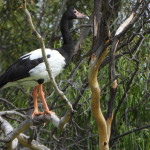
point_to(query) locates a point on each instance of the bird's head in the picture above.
(72, 13)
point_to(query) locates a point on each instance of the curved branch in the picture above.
(100, 39)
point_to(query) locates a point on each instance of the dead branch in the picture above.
(12, 112)
(9, 103)
(130, 132)
(127, 88)
(130, 20)
(34, 145)
(112, 75)
(7, 129)
(12, 136)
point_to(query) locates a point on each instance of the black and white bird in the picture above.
(29, 70)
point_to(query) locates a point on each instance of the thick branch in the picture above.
(95, 104)
(112, 78)
(23, 139)
(7, 129)
(34, 145)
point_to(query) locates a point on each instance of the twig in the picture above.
(129, 132)
(127, 88)
(6, 101)
(12, 112)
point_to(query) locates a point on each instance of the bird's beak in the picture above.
(79, 15)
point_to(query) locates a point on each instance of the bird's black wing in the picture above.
(20, 69)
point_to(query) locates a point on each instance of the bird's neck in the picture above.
(68, 47)
(64, 26)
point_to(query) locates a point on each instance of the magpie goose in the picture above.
(29, 70)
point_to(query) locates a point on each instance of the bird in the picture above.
(30, 70)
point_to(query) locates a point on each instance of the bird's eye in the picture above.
(74, 11)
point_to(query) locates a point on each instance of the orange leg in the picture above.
(46, 109)
(36, 111)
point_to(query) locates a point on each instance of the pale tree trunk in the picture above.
(101, 42)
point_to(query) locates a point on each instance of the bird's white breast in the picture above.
(56, 62)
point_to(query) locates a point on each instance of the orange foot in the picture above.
(36, 113)
(46, 109)
(48, 112)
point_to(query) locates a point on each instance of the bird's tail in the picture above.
(3, 80)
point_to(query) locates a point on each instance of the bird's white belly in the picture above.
(57, 64)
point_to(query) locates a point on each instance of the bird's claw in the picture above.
(37, 114)
(40, 113)
(48, 112)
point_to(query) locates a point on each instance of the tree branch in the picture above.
(34, 145)
(127, 23)
(129, 132)
(12, 136)
(7, 129)
(12, 112)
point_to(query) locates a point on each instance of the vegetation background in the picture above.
(130, 128)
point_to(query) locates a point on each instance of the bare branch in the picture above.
(6, 101)
(129, 132)
(127, 88)
(23, 139)
(12, 112)
(7, 129)
(127, 23)
(34, 145)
